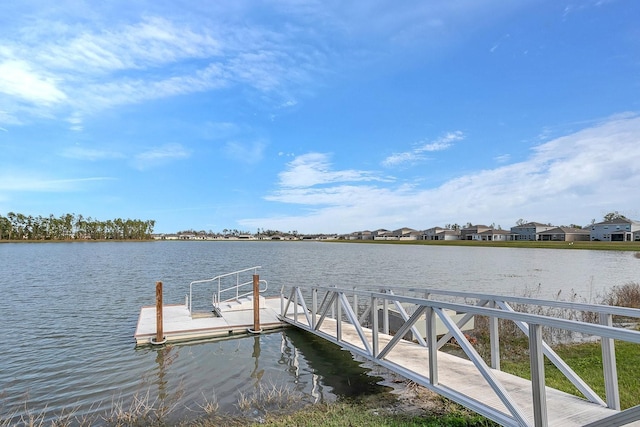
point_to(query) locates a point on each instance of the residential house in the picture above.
(406, 233)
(468, 232)
(361, 235)
(431, 233)
(447, 234)
(530, 230)
(615, 230)
(492, 235)
(382, 234)
(565, 234)
(439, 233)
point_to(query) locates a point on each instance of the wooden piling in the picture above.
(256, 305)
(159, 321)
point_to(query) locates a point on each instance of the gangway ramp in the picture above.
(351, 318)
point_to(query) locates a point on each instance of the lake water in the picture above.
(68, 312)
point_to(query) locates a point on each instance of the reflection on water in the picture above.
(287, 360)
(335, 366)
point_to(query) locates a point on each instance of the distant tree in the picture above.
(613, 216)
(521, 222)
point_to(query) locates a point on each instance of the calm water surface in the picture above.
(68, 312)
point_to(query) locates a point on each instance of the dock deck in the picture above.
(179, 325)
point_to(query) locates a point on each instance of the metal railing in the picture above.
(221, 289)
(357, 307)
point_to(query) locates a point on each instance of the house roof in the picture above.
(492, 231)
(532, 224)
(565, 230)
(448, 231)
(618, 221)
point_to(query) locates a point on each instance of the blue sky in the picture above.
(321, 116)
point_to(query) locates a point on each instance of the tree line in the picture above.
(17, 226)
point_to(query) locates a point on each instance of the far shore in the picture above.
(591, 245)
(585, 245)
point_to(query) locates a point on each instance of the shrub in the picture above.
(627, 295)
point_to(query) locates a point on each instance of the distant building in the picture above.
(616, 230)
(492, 235)
(431, 233)
(468, 232)
(565, 234)
(530, 230)
(439, 233)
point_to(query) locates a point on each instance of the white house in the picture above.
(431, 233)
(492, 235)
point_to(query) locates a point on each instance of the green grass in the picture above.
(601, 246)
(586, 361)
(359, 414)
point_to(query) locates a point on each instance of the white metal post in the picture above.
(536, 359)
(314, 307)
(432, 345)
(494, 339)
(338, 319)
(609, 366)
(374, 326)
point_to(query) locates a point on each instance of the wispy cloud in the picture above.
(91, 154)
(418, 152)
(250, 153)
(14, 181)
(159, 156)
(88, 69)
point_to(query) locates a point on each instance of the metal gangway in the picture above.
(228, 288)
(359, 320)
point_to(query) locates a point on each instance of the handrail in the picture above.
(216, 301)
(581, 306)
(336, 305)
(216, 295)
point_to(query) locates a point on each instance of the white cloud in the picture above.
(417, 153)
(19, 79)
(159, 156)
(315, 169)
(570, 179)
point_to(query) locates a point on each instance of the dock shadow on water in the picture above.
(247, 377)
(251, 376)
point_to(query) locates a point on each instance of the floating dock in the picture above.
(236, 318)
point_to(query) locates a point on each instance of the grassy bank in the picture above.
(600, 246)
(586, 361)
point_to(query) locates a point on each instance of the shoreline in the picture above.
(587, 245)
